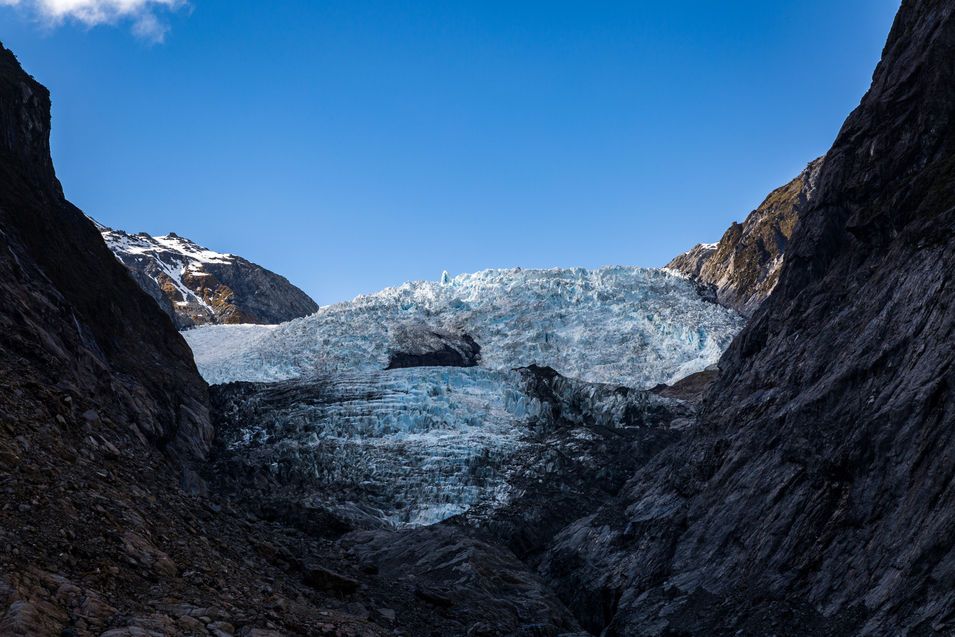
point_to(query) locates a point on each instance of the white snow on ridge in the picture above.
(191, 250)
(621, 325)
(172, 256)
(121, 242)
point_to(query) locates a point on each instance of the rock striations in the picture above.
(743, 267)
(73, 322)
(197, 286)
(815, 497)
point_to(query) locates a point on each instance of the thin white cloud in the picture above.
(143, 14)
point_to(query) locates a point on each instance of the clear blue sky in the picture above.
(353, 145)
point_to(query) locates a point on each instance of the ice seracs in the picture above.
(414, 446)
(411, 446)
(406, 404)
(622, 325)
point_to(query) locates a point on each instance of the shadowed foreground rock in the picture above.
(815, 498)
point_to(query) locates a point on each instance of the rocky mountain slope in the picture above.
(198, 286)
(815, 496)
(63, 325)
(743, 267)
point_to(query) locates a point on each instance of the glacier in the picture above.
(311, 406)
(413, 446)
(624, 325)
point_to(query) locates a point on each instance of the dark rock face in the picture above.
(420, 346)
(815, 496)
(476, 587)
(196, 286)
(690, 388)
(742, 269)
(74, 323)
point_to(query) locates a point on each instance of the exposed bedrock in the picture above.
(742, 269)
(815, 496)
(196, 286)
(422, 346)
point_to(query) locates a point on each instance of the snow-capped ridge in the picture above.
(196, 285)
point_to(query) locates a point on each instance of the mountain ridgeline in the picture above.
(741, 270)
(198, 286)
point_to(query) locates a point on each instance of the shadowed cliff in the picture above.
(816, 496)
